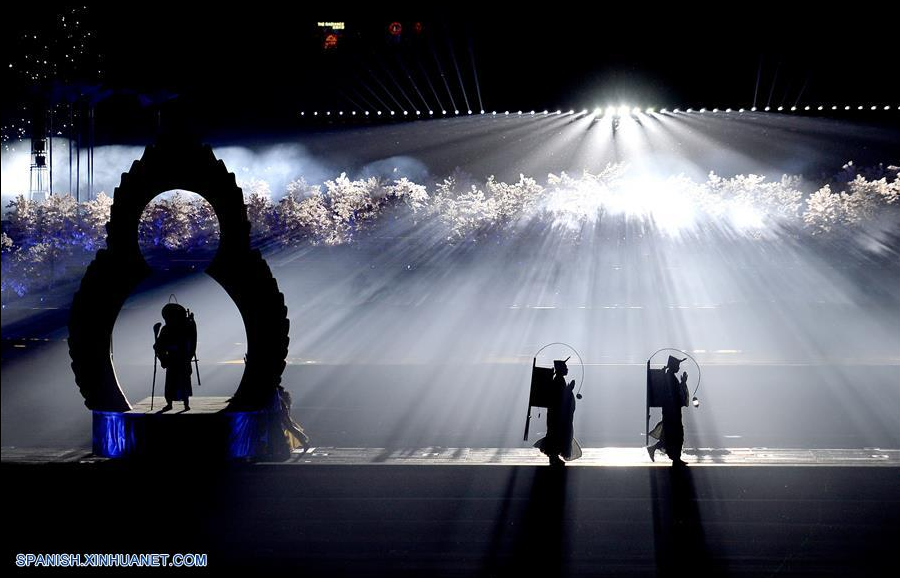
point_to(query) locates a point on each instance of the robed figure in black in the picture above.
(560, 444)
(175, 346)
(670, 431)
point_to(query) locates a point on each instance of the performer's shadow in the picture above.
(678, 536)
(540, 542)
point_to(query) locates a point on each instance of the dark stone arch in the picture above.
(116, 271)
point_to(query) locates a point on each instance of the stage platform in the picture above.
(208, 430)
(469, 512)
(593, 457)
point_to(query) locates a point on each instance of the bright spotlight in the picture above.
(780, 108)
(690, 110)
(715, 110)
(506, 113)
(859, 107)
(767, 109)
(558, 111)
(520, 113)
(677, 110)
(793, 108)
(316, 113)
(353, 113)
(635, 111)
(443, 112)
(571, 111)
(430, 112)
(806, 107)
(663, 111)
(598, 111)
(846, 108)
(469, 111)
(887, 108)
(532, 113)
(302, 113)
(455, 112)
(753, 109)
(341, 113)
(874, 107)
(545, 111)
(379, 113)
(820, 107)
(622, 111)
(727, 110)
(741, 110)
(482, 111)
(494, 113)
(584, 111)
(418, 113)
(367, 113)
(328, 113)
(833, 108)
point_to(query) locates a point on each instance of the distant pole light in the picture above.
(532, 113)
(677, 110)
(455, 112)
(820, 107)
(316, 113)
(741, 110)
(887, 107)
(767, 109)
(520, 113)
(806, 107)
(833, 107)
(690, 110)
(847, 107)
(860, 107)
(405, 113)
(780, 108)
(727, 110)
(430, 112)
(715, 110)
(328, 113)
(353, 113)
(506, 113)
(482, 111)
(558, 111)
(443, 112)
(341, 113)
(545, 111)
(494, 113)
(753, 109)
(379, 113)
(367, 113)
(418, 113)
(874, 108)
(302, 113)
(469, 111)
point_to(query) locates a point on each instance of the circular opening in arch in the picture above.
(178, 231)
(221, 337)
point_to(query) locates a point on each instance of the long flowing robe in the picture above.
(175, 349)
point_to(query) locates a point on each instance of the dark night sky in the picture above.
(249, 69)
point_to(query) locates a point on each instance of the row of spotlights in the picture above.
(617, 111)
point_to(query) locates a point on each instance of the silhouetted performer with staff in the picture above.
(560, 439)
(176, 347)
(670, 431)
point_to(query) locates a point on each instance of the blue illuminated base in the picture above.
(208, 431)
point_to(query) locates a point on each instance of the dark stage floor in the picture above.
(334, 512)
